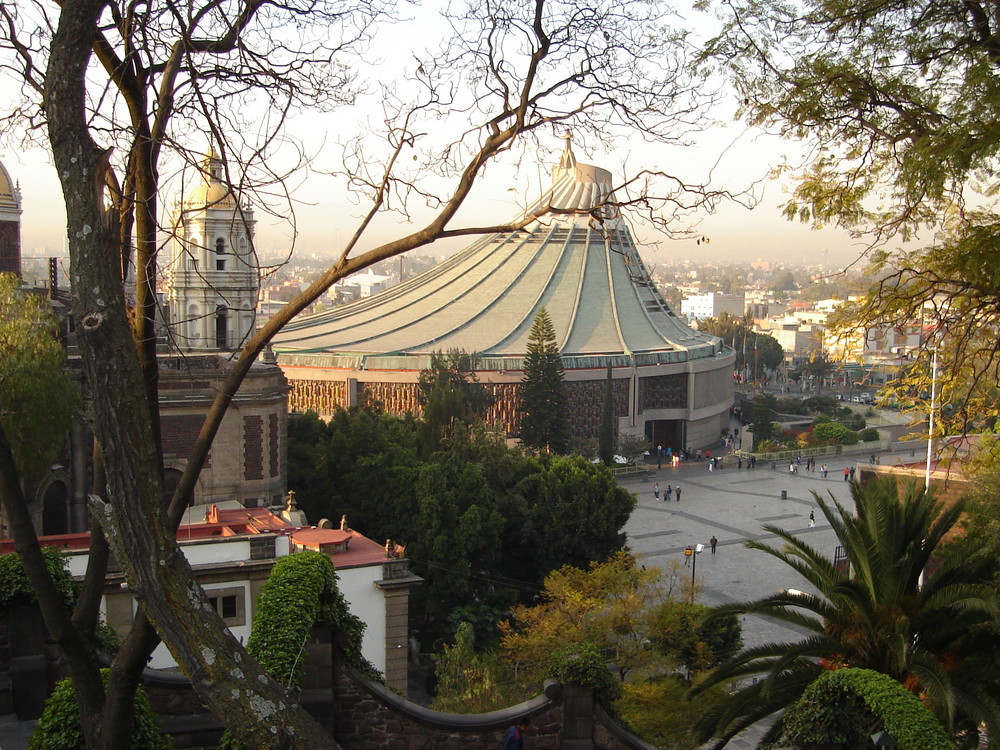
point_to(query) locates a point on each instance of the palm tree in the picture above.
(929, 624)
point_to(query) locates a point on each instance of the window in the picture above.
(229, 605)
(220, 254)
(221, 328)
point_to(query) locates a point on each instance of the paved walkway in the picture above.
(734, 505)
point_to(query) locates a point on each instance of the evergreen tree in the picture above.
(606, 438)
(543, 393)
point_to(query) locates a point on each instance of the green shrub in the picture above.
(301, 591)
(832, 432)
(59, 726)
(869, 436)
(14, 586)
(584, 664)
(838, 708)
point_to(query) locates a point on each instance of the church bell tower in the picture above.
(212, 282)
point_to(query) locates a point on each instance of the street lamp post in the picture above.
(692, 552)
(930, 422)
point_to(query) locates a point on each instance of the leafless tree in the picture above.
(507, 74)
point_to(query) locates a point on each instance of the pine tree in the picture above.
(606, 438)
(543, 392)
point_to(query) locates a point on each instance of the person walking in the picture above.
(713, 542)
(656, 490)
(666, 498)
(812, 520)
(677, 492)
(847, 473)
(514, 739)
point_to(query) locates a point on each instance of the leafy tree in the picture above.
(37, 397)
(611, 604)
(58, 728)
(482, 522)
(817, 366)
(981, 525)
(470, 682)
(833, 432)
(762, 426)
(754, 351)
(655, 710)
(450, 395)
(574, 513)
(881, 94)
(456, 532)
(632, 447)
(686, 636)
(784, 281)
(932, 628)
(543, 393)
(606, 436)
(361, 464)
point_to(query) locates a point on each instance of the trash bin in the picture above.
(774, 465)
(784, 494)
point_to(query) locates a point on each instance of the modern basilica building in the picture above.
(577, 260)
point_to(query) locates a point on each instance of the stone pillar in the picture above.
(395, 586)
(578, 718)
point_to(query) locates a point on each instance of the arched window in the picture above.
(220, 254)
(221, 328)
(55, 507)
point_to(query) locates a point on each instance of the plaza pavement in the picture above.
(734, 505)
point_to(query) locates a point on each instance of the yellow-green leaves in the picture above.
(37, 397)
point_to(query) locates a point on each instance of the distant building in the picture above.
(10, 224)
(212, 278)
(671, 384)
(712, 305)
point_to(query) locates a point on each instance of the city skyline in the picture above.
(735, 233)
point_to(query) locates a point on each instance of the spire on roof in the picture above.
(568, 160)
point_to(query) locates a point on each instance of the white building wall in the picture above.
(366, 601)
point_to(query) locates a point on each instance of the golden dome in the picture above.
(10, 198)
(211, 195)
(212, 192)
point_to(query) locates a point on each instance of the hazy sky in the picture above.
(735, 233)
(325, 220)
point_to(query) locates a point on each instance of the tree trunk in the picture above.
(254, 707)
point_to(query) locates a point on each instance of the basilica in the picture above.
(578, 260)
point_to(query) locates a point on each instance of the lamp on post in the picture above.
(693, 552)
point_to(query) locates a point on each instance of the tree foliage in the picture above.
(482, 522)
(58, 728)
(451, 396)
(655, 709)
(755, 352)
(301, 590)
(612, 604)
(846, 706)
(543, 393)
(37, 397)
(882, 93)
(762, 416)
(931, 628)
